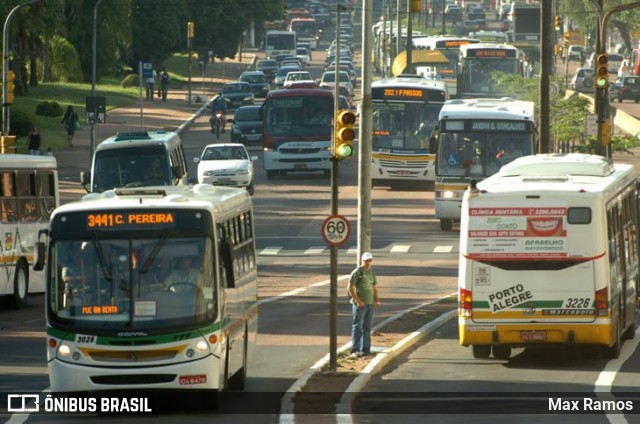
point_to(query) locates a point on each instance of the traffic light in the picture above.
(602, 73)
(343, 147)
(558, 22)
(190, 29)
(415, 6)
(10, 86)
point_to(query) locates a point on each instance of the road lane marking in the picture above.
(443, 249)
(270, 251)
(400, 248)
(315, 250)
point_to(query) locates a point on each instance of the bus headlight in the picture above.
(448, 194)
(201, 346)
(64, 350)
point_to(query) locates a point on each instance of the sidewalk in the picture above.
(173, 115)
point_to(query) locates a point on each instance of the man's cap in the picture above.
(366, 256)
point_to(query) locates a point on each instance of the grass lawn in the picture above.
(52, 131)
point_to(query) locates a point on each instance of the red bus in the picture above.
(296, 135)
(306, 31)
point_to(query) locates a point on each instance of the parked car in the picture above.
(258, 82)
(626, 87)
(226, 164)
(583, 80)
(614, 62)
(268, 67)
(237, 94)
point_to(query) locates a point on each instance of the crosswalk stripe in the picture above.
(443, 249)
(315, 250)
(352, 251)
(270, 251)
(400, 248)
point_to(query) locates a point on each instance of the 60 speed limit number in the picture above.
(336, 230)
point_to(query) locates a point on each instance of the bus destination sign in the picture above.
(492, 53)
(129, 220)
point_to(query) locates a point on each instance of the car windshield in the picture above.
(235, 88)
(253, 79)
(266, 64)
(224, 153)
(248, 114)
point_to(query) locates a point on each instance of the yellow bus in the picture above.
(549, 256)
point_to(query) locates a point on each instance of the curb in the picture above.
(343, 407)
(197, 113)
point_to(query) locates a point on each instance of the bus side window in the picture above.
(7, 198)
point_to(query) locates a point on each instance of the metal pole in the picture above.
(92, 143)
(398, 29)
(333, 287)
(141, 100)
(5, 66)
(364, 138)
(409, 69)
(546, 63)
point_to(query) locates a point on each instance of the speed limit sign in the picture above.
(336, 230)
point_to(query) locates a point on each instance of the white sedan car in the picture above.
(226, 164)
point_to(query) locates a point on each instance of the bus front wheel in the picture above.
(446, 224)
(20, 286)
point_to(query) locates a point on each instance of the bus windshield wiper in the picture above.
(106, 271)
(154, 252)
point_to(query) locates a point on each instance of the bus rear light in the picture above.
(464, 300)
(602, 302)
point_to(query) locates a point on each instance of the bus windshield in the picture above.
(479, 154)
(300, 116)
(131, 167)
(477, 72)
(281, 41)
(403, 126)
(132, 284)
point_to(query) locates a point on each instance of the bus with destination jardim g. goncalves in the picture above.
(549, 256)
(28, 195)
(297, 125)
(475, 138)
(152, 288)
(405, 113)
(478, 64)
(449, 45)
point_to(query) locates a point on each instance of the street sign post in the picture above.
(336, 230)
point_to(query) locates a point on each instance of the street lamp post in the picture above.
(5, 65)
(94, 48)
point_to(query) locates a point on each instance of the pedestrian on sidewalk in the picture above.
(70, 121)
(34, 141)
(364, 295)
(150, 83)
(164, 83)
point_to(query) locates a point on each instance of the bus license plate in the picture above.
(300, 166)
(533, 336)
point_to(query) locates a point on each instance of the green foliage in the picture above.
(131, 80)
(48, 108)
(21, 124)
(65, 64)
(618, 144)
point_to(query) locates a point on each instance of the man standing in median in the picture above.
(364, 295)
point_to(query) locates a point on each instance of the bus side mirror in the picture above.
(176, 172)
(85, 179)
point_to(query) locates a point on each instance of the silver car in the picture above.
(583, 80)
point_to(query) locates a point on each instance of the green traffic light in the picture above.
(344, 151)
(601, 82)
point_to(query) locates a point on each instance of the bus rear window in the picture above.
(579, 216)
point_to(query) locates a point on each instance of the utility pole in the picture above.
(364, 137)
(94, 48)
(546, 63)
(6, 112)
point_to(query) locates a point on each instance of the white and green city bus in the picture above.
(137, 159)
(476, 137)
(121, 312)
(28, 195)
